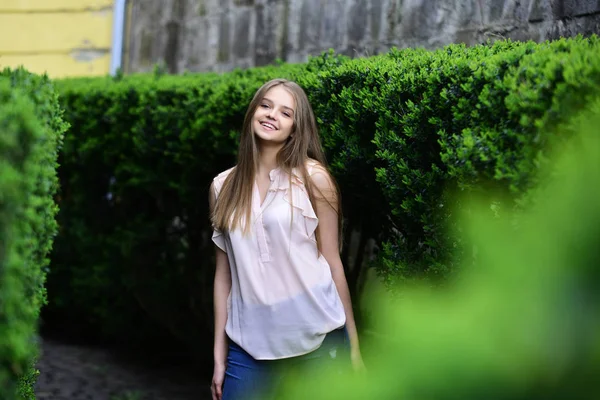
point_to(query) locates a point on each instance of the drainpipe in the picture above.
(117, 35)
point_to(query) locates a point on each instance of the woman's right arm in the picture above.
(221, 289)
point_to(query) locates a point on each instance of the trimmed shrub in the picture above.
(31, 129)
(471, 119)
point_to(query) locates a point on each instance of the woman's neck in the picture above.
(267, 159)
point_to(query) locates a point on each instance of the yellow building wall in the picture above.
(62, 38)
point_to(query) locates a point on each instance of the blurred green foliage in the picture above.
(520, 322)
(31, 130)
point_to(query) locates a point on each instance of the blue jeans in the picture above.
(250, 379)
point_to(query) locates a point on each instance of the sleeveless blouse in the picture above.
(283, 299)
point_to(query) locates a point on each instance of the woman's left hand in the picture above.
(357, 362)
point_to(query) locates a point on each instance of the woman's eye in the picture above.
(287, 114)
(264, 105)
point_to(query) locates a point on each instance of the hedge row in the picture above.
(401, 130)
(31, 130)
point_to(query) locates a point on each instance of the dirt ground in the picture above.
(79, 372)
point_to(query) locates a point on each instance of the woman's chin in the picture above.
(270, 140)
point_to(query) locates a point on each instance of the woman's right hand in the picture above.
(216, 386)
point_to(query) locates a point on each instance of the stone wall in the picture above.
(219, 35)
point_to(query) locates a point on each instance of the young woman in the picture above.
(281, 299)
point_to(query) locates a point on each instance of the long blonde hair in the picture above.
(235, 198)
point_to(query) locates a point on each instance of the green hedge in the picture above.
(400, 130)
(471, 118)
(31, 129)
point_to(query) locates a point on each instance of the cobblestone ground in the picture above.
(76, 372)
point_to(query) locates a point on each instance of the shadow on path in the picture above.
(79, 372)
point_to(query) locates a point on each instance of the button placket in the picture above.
(265, 254)
(263, 247)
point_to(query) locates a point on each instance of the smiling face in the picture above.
(273, 120)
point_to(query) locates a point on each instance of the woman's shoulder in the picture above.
(318, 173)
(314, 166)
(311, 167)
(219, 179)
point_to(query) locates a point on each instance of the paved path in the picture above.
(76, 372)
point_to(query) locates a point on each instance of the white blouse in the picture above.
(283, 299)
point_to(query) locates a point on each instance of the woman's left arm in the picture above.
(326, 209)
